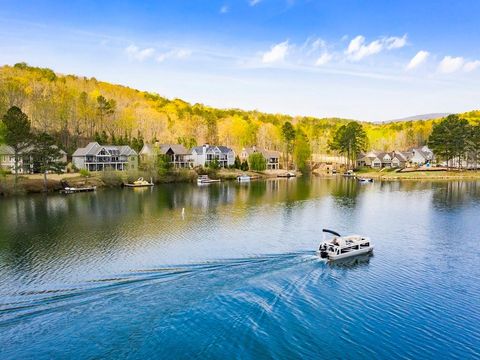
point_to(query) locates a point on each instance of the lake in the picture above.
(128, 274)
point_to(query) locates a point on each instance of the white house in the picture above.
(420, 156)
(96, 157)
(204, 155)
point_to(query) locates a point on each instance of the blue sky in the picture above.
(369, 60)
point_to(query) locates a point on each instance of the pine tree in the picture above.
(16, 133)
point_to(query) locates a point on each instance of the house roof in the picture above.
(222, 149)
(93, 148)
(266, 153)
(399, 156)
(271, 153)
(147, 149)
(382, 155)
(176, 148)
(6, 150)
(427, 155)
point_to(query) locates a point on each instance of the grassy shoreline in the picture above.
(30, 184)
(422, 175)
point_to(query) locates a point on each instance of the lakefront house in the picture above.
(271, 157)
(96, 157)
(204, 155)
(26, 163)
(177, 155)
(396, 159)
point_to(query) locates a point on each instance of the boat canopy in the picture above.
(331, 232)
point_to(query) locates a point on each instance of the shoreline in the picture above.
(413, 175)
(34, 183)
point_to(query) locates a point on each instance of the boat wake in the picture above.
(277, 306)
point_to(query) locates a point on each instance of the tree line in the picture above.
(33, 149)
(76, 110)
(456, 142)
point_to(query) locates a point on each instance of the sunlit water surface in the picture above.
(124, 274)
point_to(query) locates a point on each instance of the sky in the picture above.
(371, 60)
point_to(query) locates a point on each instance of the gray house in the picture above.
(178, 156)
(96, 157)
(26, 164)
(272, 157)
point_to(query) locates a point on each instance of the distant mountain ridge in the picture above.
(420, 117)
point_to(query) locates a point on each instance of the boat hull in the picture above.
(137, 186)
(72, 190)
(204, 182)
(350, 253)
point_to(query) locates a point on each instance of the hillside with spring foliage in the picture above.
(77, 109)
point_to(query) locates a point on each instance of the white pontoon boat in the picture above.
(340, 247)
(204, 179)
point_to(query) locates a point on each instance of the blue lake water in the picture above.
(124, 274)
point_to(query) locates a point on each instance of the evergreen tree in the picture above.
(237, 164)
(163, 164)
(350, 140)
(473, 145)
(448, 139)
(46, 155)
(244, 166)
(288, 134)
(16, 133)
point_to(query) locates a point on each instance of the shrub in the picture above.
(214, 164)
(237, 164)
(84, 173)
(257, 162)
(111, 178)
(163, 165)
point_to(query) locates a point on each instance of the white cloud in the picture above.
(471, 65)
(323, 59)
(395, 42)
(254, 2)
(139, 54)
(359, 49)
(179, 54)
(224, 9)
(450, 64)
(418, 59)
(312, 45)
(276, 53)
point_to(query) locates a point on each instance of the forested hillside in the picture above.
(77, 109)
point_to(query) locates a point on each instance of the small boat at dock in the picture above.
(365, 180)
(73, 190)
(204, 179)
(349, 174)
(139, 183)
(287, 175)
(341, 247)
(244, 178)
